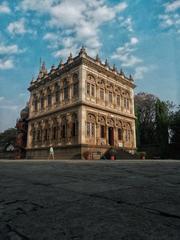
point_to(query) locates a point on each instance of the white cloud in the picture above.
(121, 6)
(127, 58)
(2, 98)
(6, 64)
(6, 53)
(8, 49)
(4, 8)
(172, 6)
(34, 5)
(134, 41)
(126, 23)
(17, 27)
(125, 54)
(83, 18)
(50, 36)
(170, 19)
(140, 71)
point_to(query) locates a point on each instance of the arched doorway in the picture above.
(111, 136)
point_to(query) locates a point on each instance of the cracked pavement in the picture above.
(93, 200)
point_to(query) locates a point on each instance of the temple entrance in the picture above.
(111, 136)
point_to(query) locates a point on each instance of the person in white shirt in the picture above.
(51, 152)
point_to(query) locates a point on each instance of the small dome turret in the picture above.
(24, 113)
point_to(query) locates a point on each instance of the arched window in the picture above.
(54, 132)
(120, 130)
(49, 97)
(66, 90)
(127, 101)
(90, 86)
(55, 129)
(110, 97)
(90, 128)
(75, 86)
(46, 131)
(120, 134)
(102, 122)
(57, 93)
(102, 94)
(35, 102)
(41, 100)
(128, 133)
(118, 100)
(74, 125)
(64, 128)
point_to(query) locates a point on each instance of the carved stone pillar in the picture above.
(70, 92)
(116, 143)
(97, 94)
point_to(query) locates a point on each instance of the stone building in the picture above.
(82, 105)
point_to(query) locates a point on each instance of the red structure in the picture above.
(21, 139)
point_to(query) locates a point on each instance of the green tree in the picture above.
(145, 114)
(175, 126)
(138, 127)
(162, 125)
(8, 136)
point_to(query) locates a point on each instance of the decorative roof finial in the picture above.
(82, 51)
(70, 58)
(121, 72)
(52, 68)
(97, 58)
(32, 80)
(60, 63)
(114, 67)
(43, 67)
(106, 63)
(131, 78)
(42, 71)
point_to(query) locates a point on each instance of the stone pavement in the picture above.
(93, 200)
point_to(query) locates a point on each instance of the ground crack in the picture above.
(11, 229)
(42, 184)
(161, 213)
(151, 210)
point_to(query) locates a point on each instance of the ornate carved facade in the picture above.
(81, 105)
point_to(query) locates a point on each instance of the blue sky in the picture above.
(141, 37)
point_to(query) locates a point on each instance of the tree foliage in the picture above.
(8, 136)
(155, 119)
(162, 124)
(145, 112)
(175, 126)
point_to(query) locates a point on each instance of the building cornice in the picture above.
(77, 61)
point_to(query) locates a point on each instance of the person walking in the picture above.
(51, 153)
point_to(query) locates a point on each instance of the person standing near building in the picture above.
(51, 153)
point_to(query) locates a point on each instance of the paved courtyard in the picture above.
(93, 200)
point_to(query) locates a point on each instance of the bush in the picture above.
(141, 155)
(87, 155)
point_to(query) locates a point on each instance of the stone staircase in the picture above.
(120, 154)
